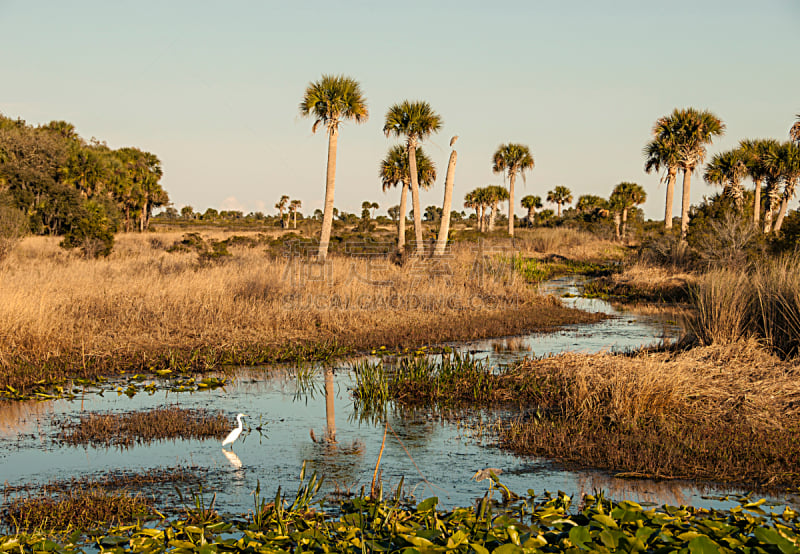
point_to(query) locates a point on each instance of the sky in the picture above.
(213, 88)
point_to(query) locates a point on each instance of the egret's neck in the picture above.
(239, 419)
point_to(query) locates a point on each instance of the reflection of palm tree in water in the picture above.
(330, 415)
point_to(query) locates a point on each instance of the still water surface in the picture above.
(435, 457)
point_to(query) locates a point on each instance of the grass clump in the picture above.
(722, 413)
(130, 428)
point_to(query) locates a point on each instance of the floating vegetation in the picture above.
(548, 523)
(128, 428)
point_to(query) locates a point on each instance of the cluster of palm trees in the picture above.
(485, 200)
(679, 144)
(290, 207)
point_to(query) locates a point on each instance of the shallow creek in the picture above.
(435, 458)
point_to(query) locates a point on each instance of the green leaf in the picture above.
(580, 536)
(605, 520)
(770, 536)
(703, 545)
(428, 504)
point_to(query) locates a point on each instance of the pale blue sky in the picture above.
(212, 88)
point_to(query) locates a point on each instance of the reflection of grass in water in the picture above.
(128, 428)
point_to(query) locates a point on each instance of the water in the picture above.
(435, 457)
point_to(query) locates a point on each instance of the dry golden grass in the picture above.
(63, 315)
(643, 281)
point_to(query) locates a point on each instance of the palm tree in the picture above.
(331, 100)
(512, 160)
(624, 197)
(483, 197)
(295, 205)
(727, 169)
(531, 203)
(754, 153)
(281, 205)
(394, 170)
(590, 203)
(416, 121)
(558, 196)
(662, 152)
(794, 132)
(447, 203)
(471, 202)
(690, 131)
(788, 161)
(495, 195)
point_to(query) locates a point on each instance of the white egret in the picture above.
(233, 435)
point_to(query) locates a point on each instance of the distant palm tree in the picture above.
(531, 203)
(788, 162)
(558, 196)
(754, 154)
(394, 170)
(330, 101)
(794, 132)
(295, 205)
(590, 203)
(663, 152)
(690, 131)
(512, 160)
(471, 202)
(281, 205)
(624, 197)
(416, 121)
(495, 195)
(727, 169)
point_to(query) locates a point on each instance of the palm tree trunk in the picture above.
(625, 223)
(671, 174)
(401, 220)
(447, 204)
(788, 194)
(330, 178)
(412, 169)
(294, 218)
(687, 188)
(480, 218)
(530, 216)
(511, 204)
(492, 216)
(559, 208)
(617, 222)
(757, 201)
(330, 413)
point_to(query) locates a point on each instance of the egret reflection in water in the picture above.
(234, 460)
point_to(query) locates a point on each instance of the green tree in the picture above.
(394, 171)
(531, 203)
(559, 196)
(691, 131)
(394, 212)
(794, 132)
(330, 101)
(512, 159)
(727, 169)
(663, 153)
(295, 205)
(624, 197)
(281, 205)
(754, 154)
(495, 194)
(416, 121)
(187, 212)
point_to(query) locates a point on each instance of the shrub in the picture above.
(92, 231)
(13, 226)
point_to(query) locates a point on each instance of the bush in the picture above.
(13, 226)
(92, 231)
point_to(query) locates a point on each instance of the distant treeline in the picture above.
(65, 185)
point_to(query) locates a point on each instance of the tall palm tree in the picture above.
(394, 170)
(512, 160)
(794, 132)
(624, 197)
(789, 166)
(416, 121)
(531, 203)
(773, 159)
(754, 154)
(558, 196)
(727, 169)
(691, 131)
(331, 100)
(662, 152)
